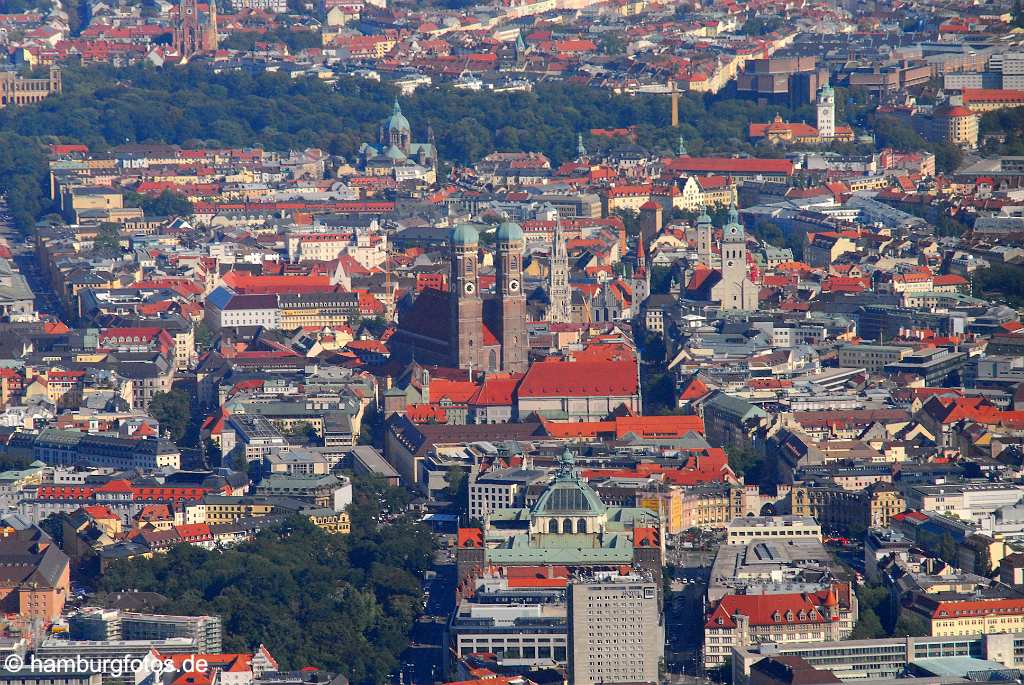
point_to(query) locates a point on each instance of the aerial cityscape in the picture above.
(526, 342)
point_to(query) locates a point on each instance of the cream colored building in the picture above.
(743, 530)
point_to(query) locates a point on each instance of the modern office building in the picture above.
(522, 623)
(872, 660)
(871, 357)
(95, 624)
(501, 489)
(205, 630)
(755, 528)
(615, 630)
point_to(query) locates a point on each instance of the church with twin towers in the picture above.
(464, 327)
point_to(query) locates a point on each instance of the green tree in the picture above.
(760, 26)
(659, 391)
(868, 627)
(303, 434)
(172, 410)
(204, 337)
(745, 462)
(108, 241)
(102, 106)
(166, 203)
(911, 625)
(457, 489)
(631, 220)
(948, 549)
(1000, 280)
(358, 594)
(214, 455)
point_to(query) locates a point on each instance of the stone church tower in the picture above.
(736, 290)
(467, 316)
(191, 36)
(560, 309)
(640, 282)
(509, 284)
(705, 236)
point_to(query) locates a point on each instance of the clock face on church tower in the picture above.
(513, 285)
(469, 288)
(730, 263)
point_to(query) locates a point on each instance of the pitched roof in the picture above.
(555, 378)
(766, 610)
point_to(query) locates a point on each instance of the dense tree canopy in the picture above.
(172, 410)
(166, 203)
(344, 603)
(1003, 280)
(190, 106)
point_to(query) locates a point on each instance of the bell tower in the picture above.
(705, 233)
(187, 36)
(510, 293)
(467, 312)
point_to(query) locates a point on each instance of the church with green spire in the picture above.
(395, 154)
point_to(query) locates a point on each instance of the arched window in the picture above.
(567, 526)
(492, 361)
(553, 525)
(581, 526)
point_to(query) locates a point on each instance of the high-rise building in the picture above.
(616, 634)
(560, 309)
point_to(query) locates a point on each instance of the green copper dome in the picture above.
(571, 496)
(397, 120)
(509, 231)
(568, 493)
(464, 234)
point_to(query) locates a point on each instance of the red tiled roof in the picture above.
(730, 165)
(694, 389)
(470, 537)
(100, 511)
(554, 378)
(978, 607)
(767, 610)
(497, 389)
(458, 392)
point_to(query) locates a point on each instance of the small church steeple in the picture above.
(581, 151)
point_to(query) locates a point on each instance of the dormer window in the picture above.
(720, 621)
(789, 615)
(776, 617)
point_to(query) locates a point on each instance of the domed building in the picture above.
(568, 526)
(395, 153)
(569, 506)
